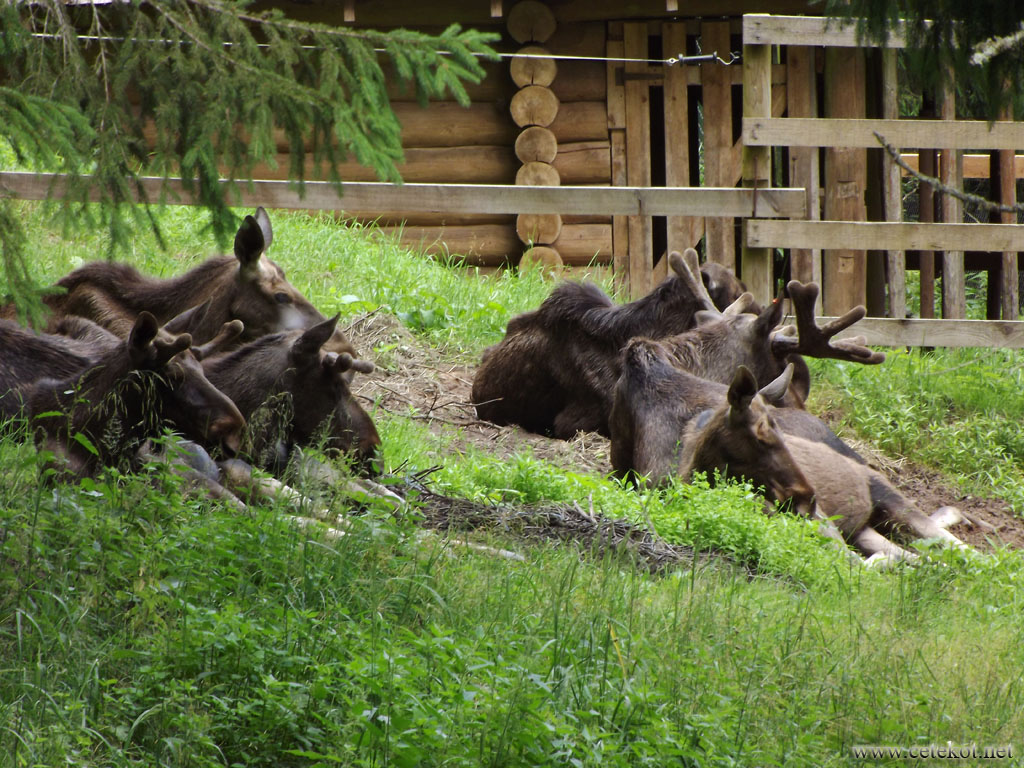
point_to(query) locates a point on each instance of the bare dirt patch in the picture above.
(418, 381)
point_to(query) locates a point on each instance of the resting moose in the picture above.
(246, 286)
(127, 394)
(665, 421)
(553, 372)
(295, 393)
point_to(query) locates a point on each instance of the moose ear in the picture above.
(705, 316)
(310, 342)
(190, 320)
(775, 390)
(249, 243)
(743, 389)
(264, 221)
(143, 331)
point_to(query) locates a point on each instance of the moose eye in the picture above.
(282, 298)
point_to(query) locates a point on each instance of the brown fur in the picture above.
(293, 378)
(246, 286)
(554, 371)
(128, 395)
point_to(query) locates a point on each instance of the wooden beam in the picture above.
(765, 29)
(951, 173)
(916, 332)
(892, 196)
(717, 94)
(835, 132)
(804, 167)
(370, 197)
(883, 236)
(756, 261)
(975, 166)
(638, 158)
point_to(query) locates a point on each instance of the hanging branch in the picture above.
(966, 197)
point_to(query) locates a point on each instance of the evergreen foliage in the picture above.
(201, 90)
(944, 35)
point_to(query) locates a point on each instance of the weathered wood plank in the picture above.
(679, 229)
(884, 236)
(975, 166)
(835, 132)
(717, 93)
(764, 29)
(804, 168)
(954, 291)
(755, 261)
(369, 197)
(917, 332)
(638, 162)
(896, 261)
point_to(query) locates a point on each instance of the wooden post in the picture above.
(681, 229)
(844, 270)
(716, 83)
(638, 158)
(896, 261)
(802, 101)
(617, 135)
(756, 263)
(951, 173)
(1009, 281)
(927, 163)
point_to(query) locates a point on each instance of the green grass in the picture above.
(141, 627)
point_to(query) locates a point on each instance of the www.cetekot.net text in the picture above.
(933, 751)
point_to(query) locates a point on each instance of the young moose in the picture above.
(246, 286)
(128, 395)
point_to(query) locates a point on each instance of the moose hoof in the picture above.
(883, 561)
(946, 517)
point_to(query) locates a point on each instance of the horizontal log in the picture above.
(534, 105)
(975, 166)
(372, 197)
(542, 257)
(429, 219)
(765, 29)
(929, 134)
(883, 236)
(578, 245)
(580, 80)
(536, 144)
(530, 21)
(587, 162)
(452, 165)
(916, 332)
(538, 228)
(538, 174)
(580, 121)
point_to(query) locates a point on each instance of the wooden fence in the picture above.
(824, 234)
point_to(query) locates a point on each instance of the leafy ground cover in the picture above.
(141, 626)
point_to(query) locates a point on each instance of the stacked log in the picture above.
(534, 108)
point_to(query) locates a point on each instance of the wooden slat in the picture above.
(883, 236)
(717, 95)
(954, 292)
(975, 166)
(680, 230)
(804, 168)
(1009, 283)
(917, 332)
(370, 197)
(617, 133)
(767, 29)
(756, 262)
(892, 196)
(638, 158)
(844, 272)
(939, 134)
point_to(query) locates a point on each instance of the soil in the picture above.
(417, 380)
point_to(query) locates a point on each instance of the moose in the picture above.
(666, 421)
(246, 286)
(295, 393)
(125, 394)
(555, 370)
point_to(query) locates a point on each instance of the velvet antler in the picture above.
(815, 341)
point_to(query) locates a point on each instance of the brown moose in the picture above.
(246, 286)
(100, 415)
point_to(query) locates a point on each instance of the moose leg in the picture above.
(878, 550)
(899, 511)
(581, 416)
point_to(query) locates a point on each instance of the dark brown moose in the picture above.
(100, 415)
(554, 371)
(246, 286)
(295, 393)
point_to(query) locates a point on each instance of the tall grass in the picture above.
(141, 626)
